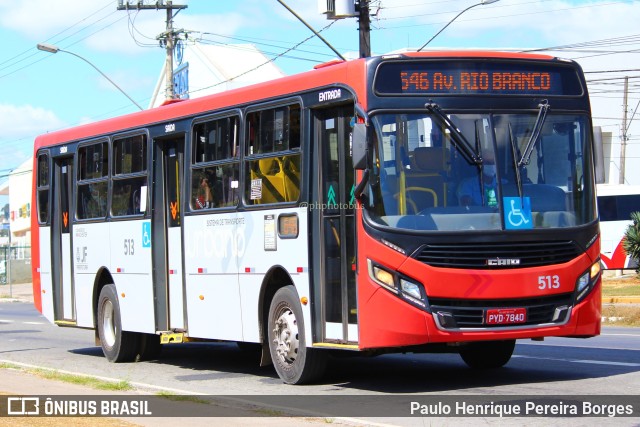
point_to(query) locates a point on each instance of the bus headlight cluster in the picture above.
(406, 288)
(587, 280)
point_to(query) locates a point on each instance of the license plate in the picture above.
(505, 316)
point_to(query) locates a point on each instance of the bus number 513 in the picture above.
(129, 247)
(548, 282)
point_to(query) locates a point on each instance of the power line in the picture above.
(67, 46)
(265, 63)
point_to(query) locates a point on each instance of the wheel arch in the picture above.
(277, 277)
(103, 277)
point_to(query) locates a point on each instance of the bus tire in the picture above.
(487, 354)
(150, 347)
(117, 345)
(294, 362)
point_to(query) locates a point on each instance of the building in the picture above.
(201, 70)
(18, 188)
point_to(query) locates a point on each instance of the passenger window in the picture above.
(274, 130)
(93, 175)
(43, 188)
(216, 169)
(274, 160)
(216, 140)
(129, 196)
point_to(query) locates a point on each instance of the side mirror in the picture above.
(359, 146)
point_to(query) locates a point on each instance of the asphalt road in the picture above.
(608, 364)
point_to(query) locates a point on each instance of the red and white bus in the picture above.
(416, 202)
(615, 205)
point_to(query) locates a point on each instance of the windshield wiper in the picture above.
(514, 149)
(535, 134)
(458, 139)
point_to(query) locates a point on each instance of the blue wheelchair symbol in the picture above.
(517, 213)
(146, 234)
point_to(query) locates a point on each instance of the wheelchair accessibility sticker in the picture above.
(517, 213)
(146, 234)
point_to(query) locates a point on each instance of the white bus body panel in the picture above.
(131, 268)
(225, 266)
(176, 300)
(46, 285)
(91, 245)
(259, 257)
(211, 271)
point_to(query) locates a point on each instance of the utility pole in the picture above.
(364, 27)
(167, 38)
(623, 142)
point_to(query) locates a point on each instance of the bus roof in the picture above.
(321, 76)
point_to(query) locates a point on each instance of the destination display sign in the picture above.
(476, 78)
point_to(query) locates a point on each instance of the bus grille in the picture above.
(457, 313)
(478, 255)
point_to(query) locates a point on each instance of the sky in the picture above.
(43, 92)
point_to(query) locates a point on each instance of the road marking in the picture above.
(621, 335)
(592, 362)
(23, 323)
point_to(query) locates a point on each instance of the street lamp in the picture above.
(483, 2)
(45, 47)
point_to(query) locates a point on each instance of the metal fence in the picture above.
(15, 264)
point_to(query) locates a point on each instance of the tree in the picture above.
(631, 241)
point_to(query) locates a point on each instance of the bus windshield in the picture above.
(481, 171)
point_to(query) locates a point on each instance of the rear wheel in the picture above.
(294, 362)
(150, 347)
(117, 345)
(487, 354)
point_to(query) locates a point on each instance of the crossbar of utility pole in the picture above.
(168, 36)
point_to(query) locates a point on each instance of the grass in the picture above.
(621, 314)
(50, 374)
(613, 286)
(181, 398)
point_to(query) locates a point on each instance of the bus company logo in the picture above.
(498, 262)
(23, 406)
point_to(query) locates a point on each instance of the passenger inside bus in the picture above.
(204, 198)
(480, 192)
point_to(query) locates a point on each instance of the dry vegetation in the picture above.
(621, 314)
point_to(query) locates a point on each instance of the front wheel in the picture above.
(487, 354)
(117, 345)
(294, 362)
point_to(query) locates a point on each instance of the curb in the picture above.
(621, 300)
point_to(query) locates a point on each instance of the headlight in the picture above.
(383, 277)
(587, 280)
(410, 290)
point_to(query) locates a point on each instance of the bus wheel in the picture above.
(117, 345)
(487, 354)
(294, 362)
(150, 347)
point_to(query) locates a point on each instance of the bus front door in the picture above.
(61, 244)
(335, 226)
(166, 229)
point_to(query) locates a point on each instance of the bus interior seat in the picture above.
(291, 177)
(545, 197)
(426, 186)
(280, 179)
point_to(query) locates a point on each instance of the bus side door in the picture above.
(61, 245)
(334, 225)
